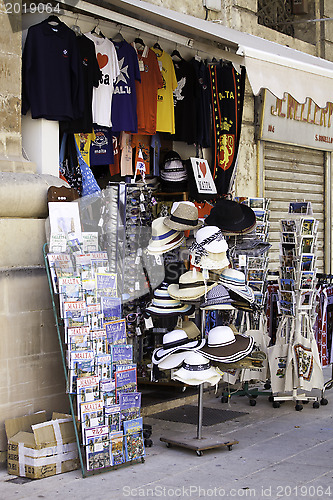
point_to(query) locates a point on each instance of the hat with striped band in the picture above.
(234, 280)
(217, 298)
(196, 369)
(224, 346)
(174, 341)
(183, 217)
(191, 286)
(164, 305)
(163, 238)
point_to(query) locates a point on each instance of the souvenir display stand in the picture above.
(198, 443)
(90, 290)
(294, 359)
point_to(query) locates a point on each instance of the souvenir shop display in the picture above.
(294, 359)
(97, 321)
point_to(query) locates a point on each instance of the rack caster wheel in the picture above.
(168, 445)
(298, 407)
(148, 443)
(199, 453)
(316, 404)
(253, 402)
(267, 385)
(276, 404)
(229, 447)
(324, 401)
(224, 399)
(271, 399)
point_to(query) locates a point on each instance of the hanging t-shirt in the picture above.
(108, 64)
(165, 107)
(101, 148)
(203, 135)
(185, 96)
(84, 142)
(123, 110)
(91, 75)
(52, 84)
(147, 90)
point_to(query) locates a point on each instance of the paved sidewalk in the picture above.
(282, 454)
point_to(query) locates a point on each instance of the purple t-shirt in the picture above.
(123, 109)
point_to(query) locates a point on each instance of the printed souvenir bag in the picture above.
(69, 169)
(308, 373)
(280, 361)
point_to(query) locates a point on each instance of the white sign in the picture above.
(287, 121)
(203, 176)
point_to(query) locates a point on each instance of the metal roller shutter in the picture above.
(293, 173)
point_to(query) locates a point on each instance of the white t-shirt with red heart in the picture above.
(102, 95)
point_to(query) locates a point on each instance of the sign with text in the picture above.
(287, 121)
(203, 176)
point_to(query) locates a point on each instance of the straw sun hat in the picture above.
(163, 238)
(183, 217)
(191, 286)
(196, 369)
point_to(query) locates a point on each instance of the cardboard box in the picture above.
(38, 447)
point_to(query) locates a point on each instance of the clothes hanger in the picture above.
(139, 41)
(118, 37)
(76, 28)
(53, 20)
(94, 31)
(157, 46)
(175, 53)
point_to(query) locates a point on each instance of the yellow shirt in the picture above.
(165, 107)
(83, 142)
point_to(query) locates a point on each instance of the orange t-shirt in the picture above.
(146, 90)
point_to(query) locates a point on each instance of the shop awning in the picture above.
(269, 65)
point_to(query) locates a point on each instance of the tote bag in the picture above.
(261, 340)
(280, 359)
(89, 183)
(308, 372)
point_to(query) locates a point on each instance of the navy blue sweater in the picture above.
(52, 74)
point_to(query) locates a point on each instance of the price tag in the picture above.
(139, 252)
(100, 222)
(142, 207)
(149, 323)
(205, 274)
(242, 260)
(158, 260)
(137, 285)
(142, 197)
(160, 66)
(141, 66)
(138, 330)
(137, 261)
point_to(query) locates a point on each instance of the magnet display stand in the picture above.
(197, 443)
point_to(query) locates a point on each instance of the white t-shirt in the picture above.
(102, 95)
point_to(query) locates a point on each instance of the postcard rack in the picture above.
(300, 363)
(108, 428)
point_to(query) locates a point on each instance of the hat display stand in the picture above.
(197, 443)
(255, 268)
(300, 367)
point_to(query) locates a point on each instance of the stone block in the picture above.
(49, 336)
(21, 242)
(10, 74)
(21, 335)
(28, 290)
(14, 145)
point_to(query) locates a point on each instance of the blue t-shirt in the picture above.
(101, 149)
(123, 109)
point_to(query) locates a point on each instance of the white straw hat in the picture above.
(195, 370)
